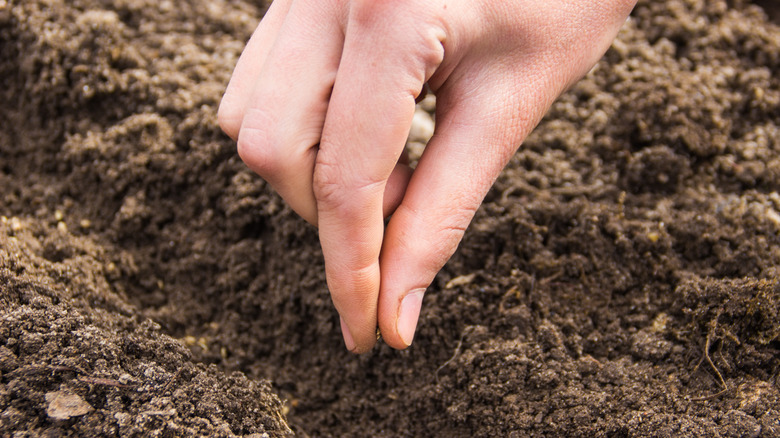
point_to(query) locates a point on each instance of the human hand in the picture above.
(321, 102)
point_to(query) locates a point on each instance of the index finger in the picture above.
(365, 130)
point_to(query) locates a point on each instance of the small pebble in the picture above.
(16, 224)
(63, 406)
(422, 127)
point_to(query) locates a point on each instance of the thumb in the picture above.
(458, 167)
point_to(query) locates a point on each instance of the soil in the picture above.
(621, 279)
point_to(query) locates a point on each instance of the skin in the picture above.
(321, 102)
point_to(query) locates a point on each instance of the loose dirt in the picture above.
(622, 277)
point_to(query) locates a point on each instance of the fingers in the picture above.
(475, 137)
(285, 111)
(368, 120)
(237, 95)
(276, 102)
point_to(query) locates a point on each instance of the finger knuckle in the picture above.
(348, 195)
(255, 149)
(351, 282)
(417, 26)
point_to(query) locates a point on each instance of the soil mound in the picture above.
(77, 360)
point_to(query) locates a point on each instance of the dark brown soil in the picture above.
(621, 279)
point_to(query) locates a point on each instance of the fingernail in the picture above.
(408, 314)
(348, 341)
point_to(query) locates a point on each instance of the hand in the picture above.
(322, 99)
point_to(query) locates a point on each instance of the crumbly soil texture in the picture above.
(621, 279)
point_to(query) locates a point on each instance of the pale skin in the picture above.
(321, 102)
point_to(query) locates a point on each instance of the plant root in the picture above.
(706, 356)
